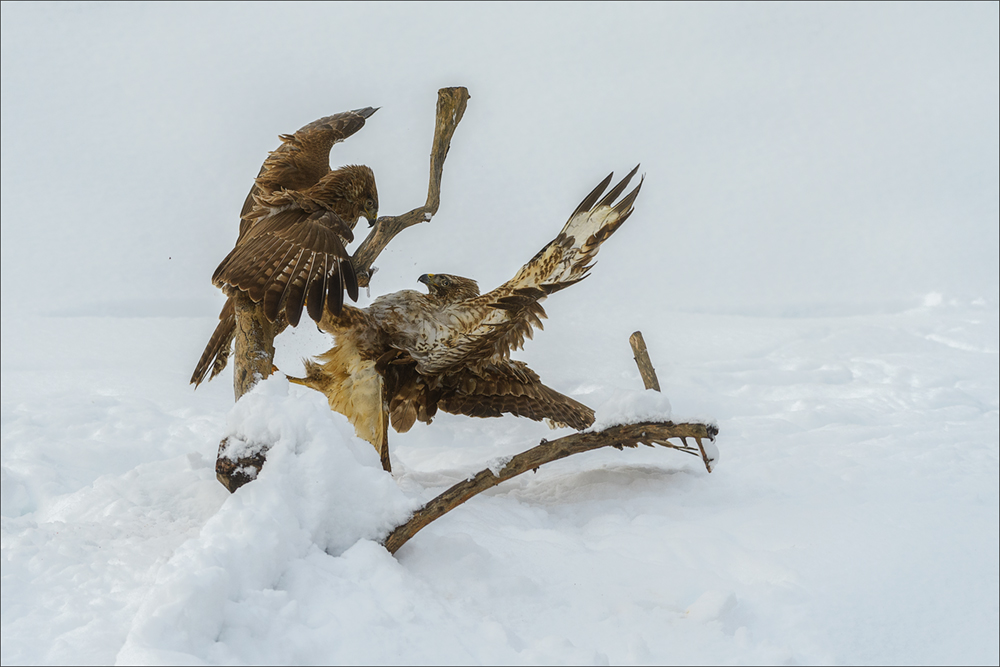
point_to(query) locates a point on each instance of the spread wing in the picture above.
(298, 163)
(510, 387)
(303, 158)
(499, 321)
(290, 259)
(455, 356)
(505, 387)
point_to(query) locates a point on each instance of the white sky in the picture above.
(796, 157)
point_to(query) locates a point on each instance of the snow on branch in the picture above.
(620, 436)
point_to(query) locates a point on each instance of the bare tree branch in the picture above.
(624, 435)
(254, 354)
(641, 356)
(450, 109)
(254, 344)
(233, 472)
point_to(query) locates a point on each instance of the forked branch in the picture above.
(624, 435)
(255, 334)
(450, 109)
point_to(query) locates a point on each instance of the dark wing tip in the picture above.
(350, 278)
(618, 189)
(314, 299)
(595, 194)
(625, 204)
(334, 293)
(293, 308)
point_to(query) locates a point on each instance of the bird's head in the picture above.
(371, 209)
(447, 287)
(351, 191)
(367, 193)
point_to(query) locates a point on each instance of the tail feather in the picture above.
(216, 353)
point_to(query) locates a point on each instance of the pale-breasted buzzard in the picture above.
(410, 354)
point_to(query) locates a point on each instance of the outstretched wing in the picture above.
(290, 259)
(510, 387)
(303, 158)
(499, 321)
(505, 387)
(298, 163)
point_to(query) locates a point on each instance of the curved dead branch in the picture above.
(450, 109)
(254, 353)
(623, 435)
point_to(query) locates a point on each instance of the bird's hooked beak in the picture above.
(426, 279)
(371, 215)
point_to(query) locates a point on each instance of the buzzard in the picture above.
(410, 354)
(294, 226)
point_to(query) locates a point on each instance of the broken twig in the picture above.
(641, 356)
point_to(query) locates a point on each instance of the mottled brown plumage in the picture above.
(294, 225)
(294, 245)
(303, 158)
(410, 354)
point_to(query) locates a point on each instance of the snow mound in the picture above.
(321, 490)
(329, 481)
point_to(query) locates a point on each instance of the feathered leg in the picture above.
(354, 389)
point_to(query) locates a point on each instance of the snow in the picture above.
(631, 407)
(855, 517)
(812, 262)
(497, 465)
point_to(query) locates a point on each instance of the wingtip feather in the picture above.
(595, 194)
(618, 189)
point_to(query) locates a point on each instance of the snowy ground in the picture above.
(853, 517)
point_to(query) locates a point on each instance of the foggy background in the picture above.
(799, 159)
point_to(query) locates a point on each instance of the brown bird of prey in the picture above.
(294, 227)
(410, 354)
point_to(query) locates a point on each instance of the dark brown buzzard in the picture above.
(294, 226)
(410, 354)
